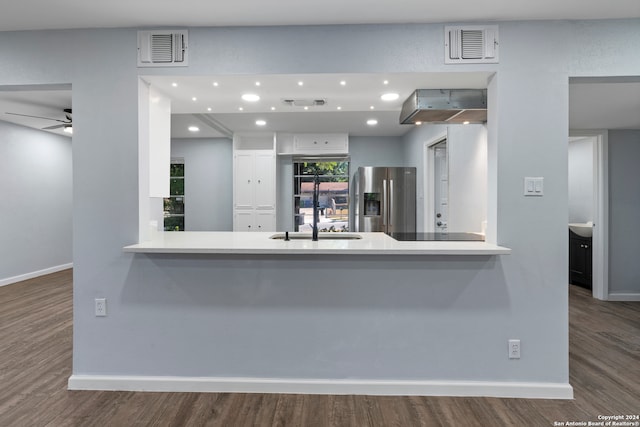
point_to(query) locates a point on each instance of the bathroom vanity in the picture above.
(580, 260)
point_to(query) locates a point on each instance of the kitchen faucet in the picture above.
(316, 196)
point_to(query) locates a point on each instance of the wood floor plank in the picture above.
(36, 355)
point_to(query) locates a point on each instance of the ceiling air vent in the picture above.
(163, 48)
(471, 44)
(304, 102)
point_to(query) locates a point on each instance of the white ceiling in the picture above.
(348, 106)
(604, 103)
(47, 102)
(40, 14)
(594, 103)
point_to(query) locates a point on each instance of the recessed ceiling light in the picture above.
(257, 83)
(215, 84)
(372, 107)
(391, 96)
(343, 83)
(300, 83)
(240, 108)
(251, 97)
(261, 122)
(386, 82)
(174, 84)
(273, 108)
(194, 99)
(208, 108)
(194, 129)
(372, 122)
(466, 122)
(418, 123)
(306, 107)
(339, 108)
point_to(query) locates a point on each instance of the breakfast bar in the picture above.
(270, 243)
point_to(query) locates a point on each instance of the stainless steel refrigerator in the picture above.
(385, 199)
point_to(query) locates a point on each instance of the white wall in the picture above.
(472, 305)
(581, 180)
(624, 211)
(208, 182)
(467, 152)
(35, 207)
(414, 142)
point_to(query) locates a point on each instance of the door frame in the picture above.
(429, 184)
(600, 239)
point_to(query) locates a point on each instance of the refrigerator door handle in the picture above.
(384, 202)
(390, 203)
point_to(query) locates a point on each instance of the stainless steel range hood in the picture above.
(445, 106)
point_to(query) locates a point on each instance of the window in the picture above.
(174, 204)
(333, 201)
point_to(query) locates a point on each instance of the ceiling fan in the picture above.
(66, 125)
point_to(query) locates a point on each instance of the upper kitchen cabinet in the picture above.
(254, 182)
(320, 143)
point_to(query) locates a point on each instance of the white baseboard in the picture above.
(528, 390)
(624, 296)
(27, 276)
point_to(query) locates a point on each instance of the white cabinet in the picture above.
(254, 220)
(242, 180)
(254, 179)
(321, 143)
(264, 175)
(254, 183)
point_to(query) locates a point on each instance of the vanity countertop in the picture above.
(260, 243)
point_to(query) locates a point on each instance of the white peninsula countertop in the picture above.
(261, 243)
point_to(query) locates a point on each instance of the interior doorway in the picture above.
(593, 226)
(436, 184)
(441, 190)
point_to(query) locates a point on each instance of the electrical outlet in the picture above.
(101, 307)
(514, 349)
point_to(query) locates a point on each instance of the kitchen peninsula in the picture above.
(263, 243)
(300, 316)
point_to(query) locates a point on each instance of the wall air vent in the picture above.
(163, 48)
(471, 44)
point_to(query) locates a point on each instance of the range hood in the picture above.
(445, 106)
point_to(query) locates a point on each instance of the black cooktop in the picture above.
(425, 237)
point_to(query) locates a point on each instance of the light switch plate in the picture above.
(533, 186)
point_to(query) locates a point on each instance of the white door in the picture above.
(441, 187)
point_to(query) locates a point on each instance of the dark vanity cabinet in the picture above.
(580, 259)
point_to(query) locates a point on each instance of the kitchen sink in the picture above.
(321, 236)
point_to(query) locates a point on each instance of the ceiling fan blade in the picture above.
(38, 117)
(55, 127)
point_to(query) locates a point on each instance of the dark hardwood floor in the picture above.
(35, 363)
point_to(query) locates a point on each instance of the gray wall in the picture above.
(208, 182)
(581, 180)
(35, 207)
(624, 211)
(375, 151)
(473, 304)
